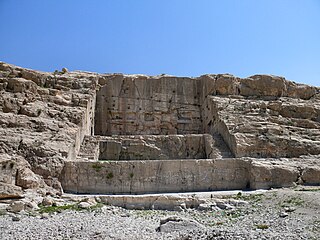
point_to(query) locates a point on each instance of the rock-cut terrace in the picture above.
(83, 132)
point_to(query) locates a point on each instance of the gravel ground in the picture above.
(276, 214)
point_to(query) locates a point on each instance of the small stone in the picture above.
(176, 224)
(16, 206)
(16, 218)
(31, 206)
(44, 215)
(283, 214)
(47, 201)
(204, 207)
(84, 205)
(92, 201)
(289, 209)
(125, 215)
(225, 206)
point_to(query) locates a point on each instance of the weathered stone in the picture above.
(27, 179)
(300, 91)
(204, 207)
(158, 105)
(173, 224)
(47, 201)
(31, 206)
(10, 191)
(16, 206)
(115, 133)
(311, 175)
(16, 218)
(84, 205)
(263, 85)
(272, 174)
(18, 85)
(155, 176)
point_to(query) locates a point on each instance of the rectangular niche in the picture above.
(148, 106)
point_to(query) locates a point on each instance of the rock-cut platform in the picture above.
(167, 134)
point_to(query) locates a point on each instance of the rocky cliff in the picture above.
(53, 124)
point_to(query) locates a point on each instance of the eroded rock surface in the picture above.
(43, 118)
(89, 132)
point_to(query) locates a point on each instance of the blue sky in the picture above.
(178, 37)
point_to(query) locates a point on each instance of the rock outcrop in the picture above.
(114, 133)
(43, 118)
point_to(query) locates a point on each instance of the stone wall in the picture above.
(119, 177)
(154, 147)
(135, 105)
(86, 126)
(156, 176)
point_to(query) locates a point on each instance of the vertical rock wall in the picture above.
(138, 105)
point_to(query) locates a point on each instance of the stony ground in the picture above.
(275, 214)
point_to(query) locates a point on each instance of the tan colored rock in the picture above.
(8, 169)
(18, 85)
(16, 206)
(266, 128)
(55, 184)
(300, 91)
(31, 206)
(226, 85)
(311, 175)
(10, 191)
(263, 85)
(55, 127)
(27, 179)
(47, 201)
(172, 224)
(266, 175)
(84, 205)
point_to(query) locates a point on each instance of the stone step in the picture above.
(137, 177)
(154, 147)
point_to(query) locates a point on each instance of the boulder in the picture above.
(311, 175)
(265, 174)
(16, 206)
(177, 224)
(28, 179)
(10, 191)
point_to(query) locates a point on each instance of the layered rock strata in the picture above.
(114, 133)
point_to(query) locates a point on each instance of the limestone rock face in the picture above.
(88, 132)
(43, 117)
(267, 128)
(262, 85)
(139, 105)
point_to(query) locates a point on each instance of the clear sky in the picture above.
(178, 37)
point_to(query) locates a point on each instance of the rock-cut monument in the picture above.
(83, 132)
